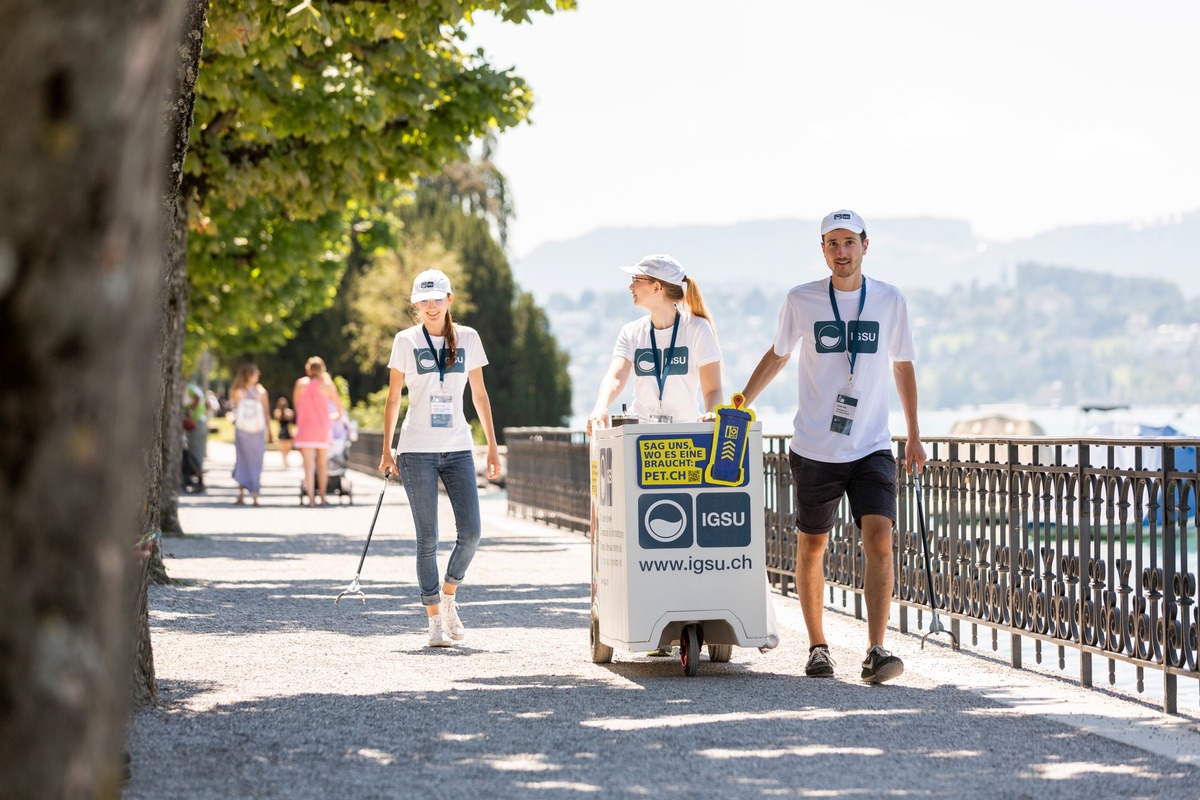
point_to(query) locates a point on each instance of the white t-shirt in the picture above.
(824, 369)
(412, 356)
(695, 346)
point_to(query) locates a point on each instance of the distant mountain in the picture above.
(924, 252)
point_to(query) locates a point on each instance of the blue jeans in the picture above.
(419, 473)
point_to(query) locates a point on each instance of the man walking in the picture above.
(850, 330)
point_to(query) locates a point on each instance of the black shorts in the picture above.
(870, 483)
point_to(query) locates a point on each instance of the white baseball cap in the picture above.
(844, 219)
(432, 284)
(660, 267)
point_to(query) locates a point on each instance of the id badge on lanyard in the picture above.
(441, 402)
(846, 403)
(441, 408)
(660, 374)
(843, 412)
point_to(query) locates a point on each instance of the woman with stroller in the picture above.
(311, 397)
(672, 352)
(437, 359)
(250, 431)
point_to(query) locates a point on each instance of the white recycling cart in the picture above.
(678, 554)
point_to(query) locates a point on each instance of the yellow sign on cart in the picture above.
(671, 462)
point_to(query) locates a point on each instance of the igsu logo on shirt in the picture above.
(643, 361)
(830, 336)
(427, 363)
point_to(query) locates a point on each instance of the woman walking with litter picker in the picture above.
(438, 358)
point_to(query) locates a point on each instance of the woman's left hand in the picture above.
(493, 463)
(709, 416)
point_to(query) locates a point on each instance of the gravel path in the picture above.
(271, 691)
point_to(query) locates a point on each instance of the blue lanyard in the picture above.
(438, 356)
(660, 370)
(852, 344)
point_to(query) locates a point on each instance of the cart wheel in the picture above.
(601, 653)
(720, 652)
(689, 650)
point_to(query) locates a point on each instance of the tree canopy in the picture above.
(307, 117)
(528, 382)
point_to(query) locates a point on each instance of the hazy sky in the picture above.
(1017, 117)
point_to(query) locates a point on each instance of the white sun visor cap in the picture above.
(432, 284)
(660, 267)
(845, 219)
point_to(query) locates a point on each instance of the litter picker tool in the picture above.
(935, 624)
(354, 588)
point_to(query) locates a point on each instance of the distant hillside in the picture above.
(920, 253)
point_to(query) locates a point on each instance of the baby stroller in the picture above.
(338, 463)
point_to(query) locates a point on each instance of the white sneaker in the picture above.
(437, 633)
(449, 612)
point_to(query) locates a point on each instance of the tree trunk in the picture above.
(164, 453)
(81, 175)
(163, 490)
(145, 687)
(174, 337)
(175, 285)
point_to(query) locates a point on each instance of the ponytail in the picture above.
(693, 301)
(451, 341)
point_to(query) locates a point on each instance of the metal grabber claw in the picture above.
(354, 587)
(935, 624)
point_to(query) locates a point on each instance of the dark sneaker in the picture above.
(881, 666)
(820, 664)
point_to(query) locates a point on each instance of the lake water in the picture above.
(1054, 420)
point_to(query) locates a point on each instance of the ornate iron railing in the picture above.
(548, 476)
(1084, 543)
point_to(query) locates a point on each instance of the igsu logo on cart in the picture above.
(723, 519)
(665, 520)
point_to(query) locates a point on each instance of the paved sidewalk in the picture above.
(271, 691)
